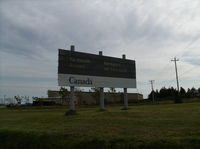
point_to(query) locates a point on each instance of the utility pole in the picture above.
(152, 81)
(175, 60)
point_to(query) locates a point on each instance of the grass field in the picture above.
(140, 127)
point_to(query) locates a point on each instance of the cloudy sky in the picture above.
(152, 32)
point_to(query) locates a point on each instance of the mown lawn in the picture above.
(144, 126)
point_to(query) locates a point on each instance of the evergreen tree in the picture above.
(173, 93)
(156, 94)
(150, 96)
(191, 93)
(188, 94)
(163, 92)
(182, 92)
(194, 92)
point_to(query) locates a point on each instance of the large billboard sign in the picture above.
(90, 70)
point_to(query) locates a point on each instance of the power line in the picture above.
(190, 43)
(194, 67)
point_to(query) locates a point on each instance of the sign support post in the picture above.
(125, 100)
(72, 96)
(102, 99)
(125, 92)
(72, 110)
(101, 92)
(72, 104)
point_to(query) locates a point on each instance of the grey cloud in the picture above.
(148, 31)
(19, 39)
(192, 60)
(191, 57)
(82, 23)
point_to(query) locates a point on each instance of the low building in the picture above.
(92, 98)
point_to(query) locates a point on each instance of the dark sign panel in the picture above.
(78, 63)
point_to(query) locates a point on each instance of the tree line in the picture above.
(166, 93)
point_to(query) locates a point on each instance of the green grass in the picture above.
(145, 126)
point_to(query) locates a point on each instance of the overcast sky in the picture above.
(152, 32)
